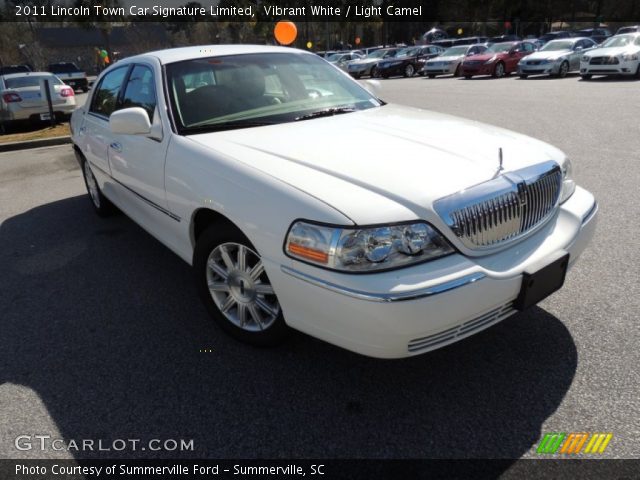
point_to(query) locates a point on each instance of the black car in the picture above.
(598, 35)
(8, 69)
(547, 37)
(70, 74)
(408, 61)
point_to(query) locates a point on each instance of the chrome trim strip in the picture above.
(385, 297)
(141, 197)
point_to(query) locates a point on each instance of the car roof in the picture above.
(26, 74)
(173, 55)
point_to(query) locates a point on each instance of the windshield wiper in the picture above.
(218, 127)
(327, 112)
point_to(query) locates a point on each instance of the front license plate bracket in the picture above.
(542, 279)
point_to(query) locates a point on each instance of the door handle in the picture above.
(116, 146)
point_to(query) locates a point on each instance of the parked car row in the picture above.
(618, 55)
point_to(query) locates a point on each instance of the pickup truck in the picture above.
(70, 74)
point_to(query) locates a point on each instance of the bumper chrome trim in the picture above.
(386, 297)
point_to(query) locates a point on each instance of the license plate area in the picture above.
(45, 116)
(540, 281)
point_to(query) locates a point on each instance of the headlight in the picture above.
(630, 56)
(368, 249)
(491, 60)
(585, 58)
(568, 184)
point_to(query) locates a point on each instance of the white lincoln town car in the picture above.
(242, 160)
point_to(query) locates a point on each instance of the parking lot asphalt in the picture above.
(102, 330)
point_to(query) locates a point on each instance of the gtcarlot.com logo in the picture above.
(46, 442)
(574, 443)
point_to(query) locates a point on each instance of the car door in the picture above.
(94, 135)
(137, 161)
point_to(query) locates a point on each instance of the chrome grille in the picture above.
(504, 208)
(604, 61)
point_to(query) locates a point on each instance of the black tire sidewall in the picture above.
(106, 208)
(216, 235)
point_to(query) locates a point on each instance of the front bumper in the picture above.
(544, 69)
(622, 68)
(439, 69)
(483, 69)
(414, 310)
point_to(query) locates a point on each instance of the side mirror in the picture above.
(130, 121)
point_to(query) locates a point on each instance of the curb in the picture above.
(42, 142)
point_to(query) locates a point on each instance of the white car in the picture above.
(23, 98)
(448, 63)
(397, 244)
(619, 55)
(557, 57)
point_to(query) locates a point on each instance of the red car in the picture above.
(498, 60)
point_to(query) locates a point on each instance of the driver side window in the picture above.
(105, 99)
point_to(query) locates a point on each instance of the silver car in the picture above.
(22, 97)
(341, 60)
(448, 63)
(557, 57)
(367, 66)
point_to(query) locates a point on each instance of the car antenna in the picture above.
(500, 167)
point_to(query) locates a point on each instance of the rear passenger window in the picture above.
(140, 90)
(106, 96)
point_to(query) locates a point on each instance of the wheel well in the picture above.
(204, 218)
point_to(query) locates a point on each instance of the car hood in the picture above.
(612, 51)
(550, 55)
(390, 161)
(365, 61)
(485, 56)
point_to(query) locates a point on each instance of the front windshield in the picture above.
(407, 52)
(500, 47)
(378, 54)
(622, 41)
(239, 91)
(558, 45)
(454, 51)
(335, 57)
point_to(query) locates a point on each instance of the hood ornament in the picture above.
(500, 167)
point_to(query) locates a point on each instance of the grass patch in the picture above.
(60, 130)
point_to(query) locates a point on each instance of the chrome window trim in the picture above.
(385, 297)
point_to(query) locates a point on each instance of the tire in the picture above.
(523, 76)
(498, 70)
(101, 204)
(432, 75)
(409, 71)
(457, 72)
(375, 73)
(468, 77)
(586, 76)
(384, 75)
(563, 70)
(85, 89)
(638, 71)
(228, 275)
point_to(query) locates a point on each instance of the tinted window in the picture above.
(30, 81)
(104, 100)
(140, 90)
(528, 47)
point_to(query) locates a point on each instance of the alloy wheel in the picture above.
(92, 185)
(240, 287)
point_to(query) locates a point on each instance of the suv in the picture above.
(70, 74)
